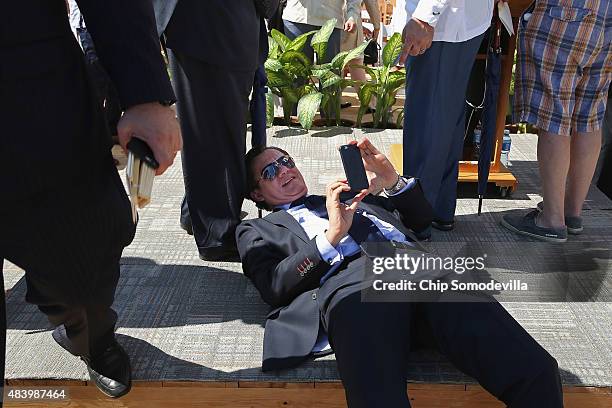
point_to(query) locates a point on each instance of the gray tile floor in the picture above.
(184, 319)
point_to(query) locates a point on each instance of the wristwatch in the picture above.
(399, 185)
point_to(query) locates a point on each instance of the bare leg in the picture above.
(359, 74)
(585, 148)
(554, 162)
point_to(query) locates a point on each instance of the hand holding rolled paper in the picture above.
(140, 172)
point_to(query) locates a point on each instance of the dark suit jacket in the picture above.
(224, 33)
(286, 268)
(53, 132)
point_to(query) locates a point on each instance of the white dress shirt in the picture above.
(453, 20)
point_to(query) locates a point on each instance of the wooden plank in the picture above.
(140, 383)
(192, 397)
(38, 383)
(587, 400)
(274, 384)
(436, 387)
(335, 385)
(203, 384)
(300, 385)
(421, 396)
(583, 390)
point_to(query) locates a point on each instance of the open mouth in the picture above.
(289, 180)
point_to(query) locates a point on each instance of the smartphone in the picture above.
(142, 150)
(353, 167)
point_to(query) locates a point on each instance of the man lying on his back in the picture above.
(306, 260)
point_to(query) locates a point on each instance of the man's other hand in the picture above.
(417, 37)
(340, 215)
(349, 26)
(157, 126)
(381, 173)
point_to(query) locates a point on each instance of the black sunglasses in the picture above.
(270, 171)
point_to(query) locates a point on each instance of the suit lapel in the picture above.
(390, 218)
(283, 219)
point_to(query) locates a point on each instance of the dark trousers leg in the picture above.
(485, 342)
(371, 342)
(434, 119)
(212, 108)
(83, 324)
(70, 249)
(2, 331)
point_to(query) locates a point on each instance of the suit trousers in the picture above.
(212, 108)
(480, 339)
(434, 119)
(2, 331)
(64, 214)
(69, 242)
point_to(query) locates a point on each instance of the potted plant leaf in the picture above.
(384, 84)
(289, 71)
(330, 86)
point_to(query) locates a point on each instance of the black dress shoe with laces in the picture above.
(442, 225)
(110, 370)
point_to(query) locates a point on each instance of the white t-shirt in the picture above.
(453, 20)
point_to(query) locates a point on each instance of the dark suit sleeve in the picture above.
(126, 41)
(414, 210)
(279, 276)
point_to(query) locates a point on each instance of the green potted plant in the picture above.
(297, 80)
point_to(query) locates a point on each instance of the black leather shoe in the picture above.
(110, 370)
(220, 254)
(443, 225)
(423, 236)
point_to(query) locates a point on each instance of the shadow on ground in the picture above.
(153, 296)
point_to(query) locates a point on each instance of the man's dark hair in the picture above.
(251, 176)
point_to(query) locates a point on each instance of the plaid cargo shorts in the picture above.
(564, 65)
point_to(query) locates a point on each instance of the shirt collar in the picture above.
(287, 206)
